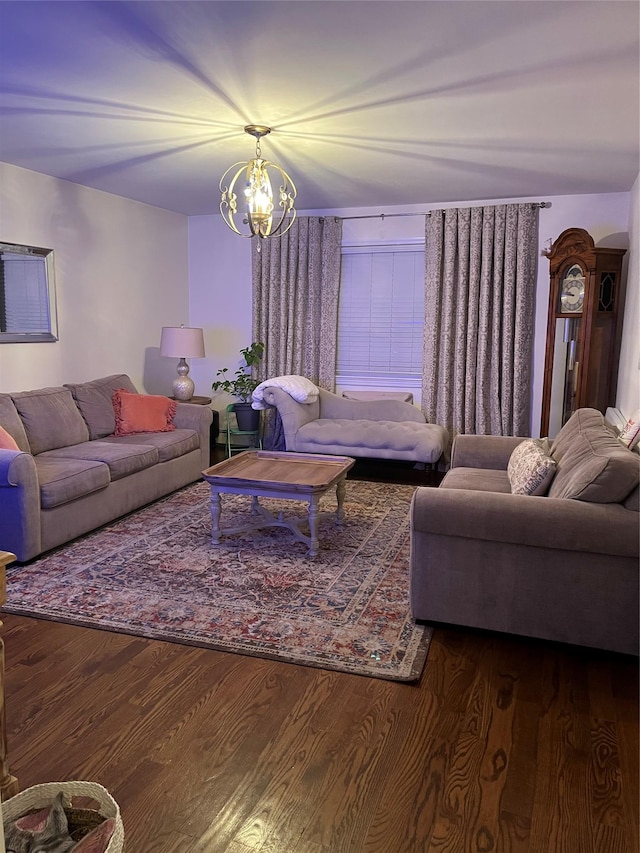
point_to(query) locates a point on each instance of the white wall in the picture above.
(220, 273)
(628, 396)
(220, 298)
(121, 274)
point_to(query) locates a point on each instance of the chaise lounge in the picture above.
(377, 429)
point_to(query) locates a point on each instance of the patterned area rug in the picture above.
(155, 574)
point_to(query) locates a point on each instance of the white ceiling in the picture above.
(372, 103)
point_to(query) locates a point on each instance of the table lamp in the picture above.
(182, 343)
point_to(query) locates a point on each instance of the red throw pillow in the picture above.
(142, 412)
(7, 441)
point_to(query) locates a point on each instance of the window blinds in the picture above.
(26, 299)
(381, 313)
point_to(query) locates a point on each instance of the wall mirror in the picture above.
(27, 295)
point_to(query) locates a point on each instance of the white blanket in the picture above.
(299, 387)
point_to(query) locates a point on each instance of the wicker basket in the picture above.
(40, 796)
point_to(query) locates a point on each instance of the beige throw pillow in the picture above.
(531, 469)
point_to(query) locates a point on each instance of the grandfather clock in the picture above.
(584, 326)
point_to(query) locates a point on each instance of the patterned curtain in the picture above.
(479, 314)
(296, 281)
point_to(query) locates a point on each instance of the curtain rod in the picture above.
(425, 213)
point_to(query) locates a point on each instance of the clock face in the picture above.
(572, 291)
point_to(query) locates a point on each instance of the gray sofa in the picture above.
(563, 566)
(380, 429)
(71, 474)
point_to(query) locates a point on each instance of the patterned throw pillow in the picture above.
(531, 469)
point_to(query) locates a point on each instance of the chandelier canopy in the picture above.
(249, 210)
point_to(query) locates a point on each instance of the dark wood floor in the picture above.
(505, 744)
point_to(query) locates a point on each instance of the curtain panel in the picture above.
(480, 282)
(296, 281)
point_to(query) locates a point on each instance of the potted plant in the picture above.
(242, 385)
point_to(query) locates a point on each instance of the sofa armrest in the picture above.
(335, 407)
(19, 504)
(568, 525)
(293, 414)
(198, 418)
(483, 451)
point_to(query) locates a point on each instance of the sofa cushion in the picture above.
(592, 464)
(95, 401)
(121, 460)
(581, 421)
(530, 468)
(169, 445)
(11, 421)
(477, 480)
(64, 480)
(51, 418)
(417, 440)
(137, 413)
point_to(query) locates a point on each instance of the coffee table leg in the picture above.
(314, 544)
(215, 517)
(341, 489)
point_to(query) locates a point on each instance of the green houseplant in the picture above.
(242, 385)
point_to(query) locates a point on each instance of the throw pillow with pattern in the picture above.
(531, 469)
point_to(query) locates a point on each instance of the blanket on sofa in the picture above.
(299, 387)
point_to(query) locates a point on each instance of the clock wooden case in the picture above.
(584, 327)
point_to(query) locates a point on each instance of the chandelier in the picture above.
(249, 211)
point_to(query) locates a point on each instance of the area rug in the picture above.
(156, 574)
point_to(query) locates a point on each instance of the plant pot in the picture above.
(248, 419)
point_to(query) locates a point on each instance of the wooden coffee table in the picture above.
(272, 474)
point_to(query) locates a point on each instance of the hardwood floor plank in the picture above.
(629, 752)
(459, 807)
(607, 804)
(562, 818)
(514, 834)
(502, 683)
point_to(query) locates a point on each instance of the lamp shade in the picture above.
(181, 342)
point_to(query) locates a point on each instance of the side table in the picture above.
(251, 437)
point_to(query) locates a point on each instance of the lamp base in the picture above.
(183, 385)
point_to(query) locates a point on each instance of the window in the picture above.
(27, 294)
(381, 316)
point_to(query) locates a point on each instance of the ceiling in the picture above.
(372, 103)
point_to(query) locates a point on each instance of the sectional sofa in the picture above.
(70, 473)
